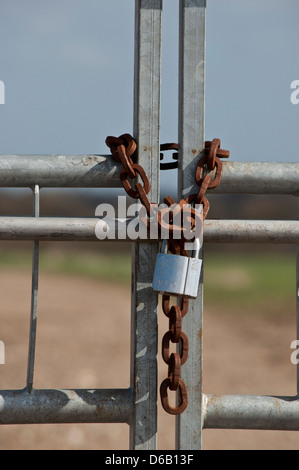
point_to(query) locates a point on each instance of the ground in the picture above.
(83, 341)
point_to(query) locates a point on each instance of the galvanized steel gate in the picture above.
(137, 405)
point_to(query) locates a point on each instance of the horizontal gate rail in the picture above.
(84, 229)
(59, 171)
(66, 406)
(101, 171)
(259, 178)
(251, 231)
(251, 412)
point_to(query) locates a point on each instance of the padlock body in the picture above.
(170, 274)
(192, 277)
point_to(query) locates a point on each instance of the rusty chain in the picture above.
(174, 163)
(123, 149)
(174, 360)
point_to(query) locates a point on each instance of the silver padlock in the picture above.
(170, 272)
(177, 275)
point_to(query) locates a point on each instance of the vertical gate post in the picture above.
(34, 294)
(297, 296)
(143, 429)
(191, 143)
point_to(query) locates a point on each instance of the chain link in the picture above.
(174, 360)
(174, 163)
(123, 149)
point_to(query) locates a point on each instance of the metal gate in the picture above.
(137, 405)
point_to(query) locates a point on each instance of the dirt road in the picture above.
(83, 341)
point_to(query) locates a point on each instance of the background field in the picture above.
(84, 335)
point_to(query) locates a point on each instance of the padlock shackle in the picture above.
(195, 251)
(164, 246)
(196, 248)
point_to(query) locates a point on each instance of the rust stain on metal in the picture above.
(99, 410)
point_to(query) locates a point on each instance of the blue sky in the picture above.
(68, 66)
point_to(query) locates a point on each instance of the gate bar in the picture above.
(66, 406)
(34, 294)
(251, 412)
(84, 229)
(297, 295)
(144, 301)
(59, 171)
(191, 142)
(259, 178)
(101, 171)
(251, 231)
